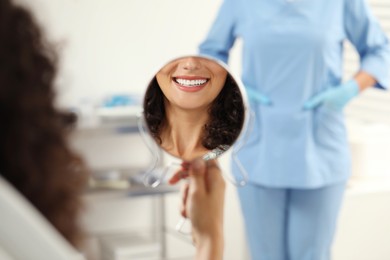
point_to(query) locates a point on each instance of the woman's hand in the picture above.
(203, 203)
(335, 98)
(257, 97)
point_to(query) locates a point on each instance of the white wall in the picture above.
(364, 228)
(111, 46)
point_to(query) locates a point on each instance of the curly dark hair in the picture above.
(34, 154)
(226, 114)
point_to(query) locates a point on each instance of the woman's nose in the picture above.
(191, 63)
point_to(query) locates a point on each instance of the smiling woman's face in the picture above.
(191, 82)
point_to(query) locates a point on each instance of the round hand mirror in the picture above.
(194, 107)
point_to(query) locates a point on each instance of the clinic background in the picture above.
(110, 47)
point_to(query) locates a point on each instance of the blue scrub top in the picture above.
(293, 50)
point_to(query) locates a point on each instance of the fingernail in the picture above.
(185, 165)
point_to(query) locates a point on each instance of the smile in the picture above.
(190, 83)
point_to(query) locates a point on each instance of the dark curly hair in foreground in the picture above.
(34, 154)
(226, 114)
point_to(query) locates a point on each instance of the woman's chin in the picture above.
(190, 106)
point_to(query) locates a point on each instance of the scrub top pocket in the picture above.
(329, 128)
(287, 132)
(253, 134)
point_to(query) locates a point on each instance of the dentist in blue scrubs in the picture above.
(297, 155)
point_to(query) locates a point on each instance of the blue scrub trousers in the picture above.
(290, 224)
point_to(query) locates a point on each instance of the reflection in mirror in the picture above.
(194, 107)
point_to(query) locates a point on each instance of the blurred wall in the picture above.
(116, 46)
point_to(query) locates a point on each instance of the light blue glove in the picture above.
(256, 96)
(334, 98)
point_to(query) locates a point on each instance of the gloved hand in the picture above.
(256, 96)
(334, 98)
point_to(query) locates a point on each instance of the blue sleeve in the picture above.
(221, 36)
(366, 34)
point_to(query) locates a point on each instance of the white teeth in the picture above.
(191, 83)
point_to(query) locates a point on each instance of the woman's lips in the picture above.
(190, 83)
